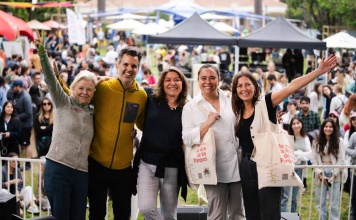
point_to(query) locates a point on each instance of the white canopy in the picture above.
(150, 29)
(340, 40)
(223, 27)
(211, 16)
(126, 24)
(130, 16)
(36, 25)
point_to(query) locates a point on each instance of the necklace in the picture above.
(172, 106)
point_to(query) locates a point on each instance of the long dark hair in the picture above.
(290, 130)
(316, 86)
(158, 91)
(352, 129)
(237, 103)
(333, 142)
(2, 115)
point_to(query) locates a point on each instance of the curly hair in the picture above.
(334, 140)
(349, 105)
(237, 103)
(160, 95)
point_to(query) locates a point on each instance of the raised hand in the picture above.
(39, 43)
(55, 69)
(327, 64)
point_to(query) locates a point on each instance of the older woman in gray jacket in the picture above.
(66, 173)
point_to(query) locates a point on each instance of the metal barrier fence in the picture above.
(306, 204)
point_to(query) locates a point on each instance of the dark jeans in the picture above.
(120, 185)
(66, 189)
(353, 195)
(259, 204)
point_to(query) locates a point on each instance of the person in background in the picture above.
(160, 157)
(302, 153)
(346, 111)
(334, 115)
(149, 77)
(35, 60)
(23, 105)
(247, 106)
(43, 126)
(311, 119)
(292, 110)
(10, 130)
(350, 143)
(12, 181)
(328, 95)
(328, 149)
(225, 198)
(4, 88)
(316, 101)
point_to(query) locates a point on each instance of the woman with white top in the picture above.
(302, 152)
(225, 198)
(328, 149)
(316, 98)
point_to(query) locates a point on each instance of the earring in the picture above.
(255, 94)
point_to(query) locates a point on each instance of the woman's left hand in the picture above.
(327, 64)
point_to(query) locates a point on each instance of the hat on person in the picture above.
(144, 82)
(353, 115)
(334, 113)
(293, 101)
(16, 83)
(296, 96)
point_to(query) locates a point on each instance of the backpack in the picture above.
(341, 107)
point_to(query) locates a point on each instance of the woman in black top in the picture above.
(44, 126)
(10, 129)
(266, 202)
(160, 155)
(328, 95)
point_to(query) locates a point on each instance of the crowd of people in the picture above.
(86, 129)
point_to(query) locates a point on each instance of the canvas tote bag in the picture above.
(274, 156)
(200, 159)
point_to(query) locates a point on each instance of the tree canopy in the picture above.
(323, 12)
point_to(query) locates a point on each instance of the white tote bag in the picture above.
(274, 156)
(200, 160)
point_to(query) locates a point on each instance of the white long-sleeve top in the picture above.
(227, 164)
(340, 160)
(301, 156)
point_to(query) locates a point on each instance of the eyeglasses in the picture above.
(46, 103)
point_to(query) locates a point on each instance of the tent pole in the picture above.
(148, 63)
(237, 59)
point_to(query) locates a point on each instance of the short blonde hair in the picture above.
(86, 75)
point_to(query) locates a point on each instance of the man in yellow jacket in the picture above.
(119, 104)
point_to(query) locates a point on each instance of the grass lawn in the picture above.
(192, 198)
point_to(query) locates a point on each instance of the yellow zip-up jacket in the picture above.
(117, 110)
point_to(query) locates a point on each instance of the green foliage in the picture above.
(27, 14)
(323, 12)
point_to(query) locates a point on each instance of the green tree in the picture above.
(27, 14)
(323, 12)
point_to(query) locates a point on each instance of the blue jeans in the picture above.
(287, 191)
(67, 190)
(320, 200)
